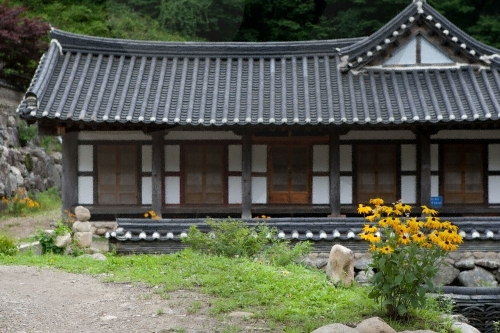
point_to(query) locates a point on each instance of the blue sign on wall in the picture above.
(437, 202)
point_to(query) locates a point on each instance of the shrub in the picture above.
(26, 132)
(406, 253)
(8, 245)
(230, 238)
(47, 239)
(49, 199)
(20, 203)
(281, 253)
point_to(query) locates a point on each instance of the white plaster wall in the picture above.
(378, 135)
(202, 135)
(234, 194)
(112, 135)
(345, 157)
(234, 155)
(434, 157)
(409, 189)
(172, 190)
(259, 158)
(494, 157)
(147, 158)
(434, 186)
(147, 191)
(408, 158)
(85, 158)
(321, 158)
(494, 189)
(85, 190)
(346, 190)
(259, 190)
(467, 134)
(320, 190)
(172, 158)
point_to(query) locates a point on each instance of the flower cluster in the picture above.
(20, 203)
(406, 252)
(404, 229)
(151, 214)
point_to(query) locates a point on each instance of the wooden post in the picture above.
(246, 176)
(69, 171)
(158, 151)
(424, 143)
(334, 173)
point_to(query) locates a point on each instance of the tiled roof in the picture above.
(101, 80)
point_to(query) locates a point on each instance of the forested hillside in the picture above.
(251, 20)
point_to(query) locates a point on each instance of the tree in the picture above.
(23, 40)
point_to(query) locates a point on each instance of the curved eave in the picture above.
(365, 50)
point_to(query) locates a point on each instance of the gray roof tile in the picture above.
(100, 80)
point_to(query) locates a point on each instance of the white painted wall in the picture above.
(434, 157)
(434, 186)
(494, 157)
(320, 190)
(172, 190)
(259, 158)
(147, 159)
(494, 189)
(409, 189)
(346, 190)
(321, 158)
(85, 190)
(234, 156)
(147, 191)
(345, 158)
(408, 157)
(234, 190)
(85, 158)
(259, 190)
(172, 158)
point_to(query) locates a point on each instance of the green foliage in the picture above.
(229, 238)
(50, 144)
(406, 254)
(281, 253)
(20, 203)
(297, 299)
(49, 199)
(8, 246)
(47, 239)
(26, 132)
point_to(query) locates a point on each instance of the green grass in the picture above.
(290, 299)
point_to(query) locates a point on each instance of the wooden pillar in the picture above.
(69, 171)
(246, 176)
(158, 152)
(334, 174)
(424, 144)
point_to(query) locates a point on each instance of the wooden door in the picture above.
(117, 174)
(376, 173)
(463, 173)
(289, 174)
(204, 175)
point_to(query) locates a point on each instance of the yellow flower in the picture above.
(362, 209)
(401, 207)
(377, 202)
(419, 238)
(383, 223)
(433, 223)
(386, 249)
(404, 239)
(447, 246)
(394, 222)
(146, 215)
(370, 228)
(428, 211)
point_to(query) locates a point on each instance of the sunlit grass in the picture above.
(293, 298)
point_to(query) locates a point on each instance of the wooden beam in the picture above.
(424, 148)
(69, 171)
(334, 173)
(158, 151)
(246, 176)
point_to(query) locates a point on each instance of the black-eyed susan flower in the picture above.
(362, 209)
(428, 211)
(377, 201)
(386, 249)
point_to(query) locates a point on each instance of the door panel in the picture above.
(290, 174)
(204, 172)
(117, 174)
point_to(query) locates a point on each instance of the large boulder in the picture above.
(477, 277)
(82, 214)
(340, 266)
(374, 325)
(335, 328)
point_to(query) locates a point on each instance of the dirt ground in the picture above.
(35, 300)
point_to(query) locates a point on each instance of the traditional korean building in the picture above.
(285, 129)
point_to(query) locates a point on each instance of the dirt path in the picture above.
(46, 300)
